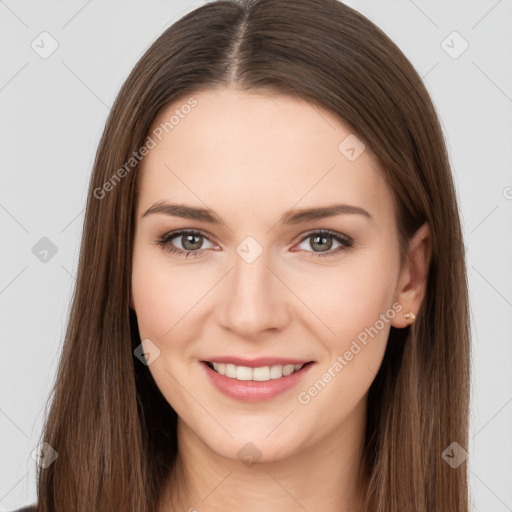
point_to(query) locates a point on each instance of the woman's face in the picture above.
(257, 284)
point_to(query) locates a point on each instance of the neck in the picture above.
(325, 476)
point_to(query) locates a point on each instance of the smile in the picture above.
(260, 374)
(257, 382)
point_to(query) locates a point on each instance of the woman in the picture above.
(271, 308)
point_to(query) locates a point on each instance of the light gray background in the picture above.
(52, 112)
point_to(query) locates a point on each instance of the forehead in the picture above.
(235, 147)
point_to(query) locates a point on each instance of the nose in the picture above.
(253, 299)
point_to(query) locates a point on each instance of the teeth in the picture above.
(262, 373)
(288, 369)
(276, 372)
(230, 371)
(243, 373)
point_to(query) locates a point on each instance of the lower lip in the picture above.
(254, 391)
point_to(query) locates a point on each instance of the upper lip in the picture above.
(257, 362)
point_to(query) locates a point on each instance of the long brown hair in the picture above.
(114, 432)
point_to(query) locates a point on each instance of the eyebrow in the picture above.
(291, 217)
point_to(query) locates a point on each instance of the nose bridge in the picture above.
(253, 300)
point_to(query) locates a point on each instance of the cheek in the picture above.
(158, 294)
(153, 303)
(165, 288)
(357, 306)
(161, 302)
(366, 297)
(348, 299)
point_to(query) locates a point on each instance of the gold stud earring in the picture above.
(410, 316)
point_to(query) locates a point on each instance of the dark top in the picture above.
(31, 508)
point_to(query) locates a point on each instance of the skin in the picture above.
(250, 157)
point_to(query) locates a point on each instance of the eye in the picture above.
(322, 243)
(189, 242)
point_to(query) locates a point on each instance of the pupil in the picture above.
(188, 238)
(317, 240)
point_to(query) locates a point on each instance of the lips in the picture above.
(256, 379)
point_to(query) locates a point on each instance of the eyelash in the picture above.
(346, 243)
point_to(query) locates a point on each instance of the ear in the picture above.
(412, 282)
